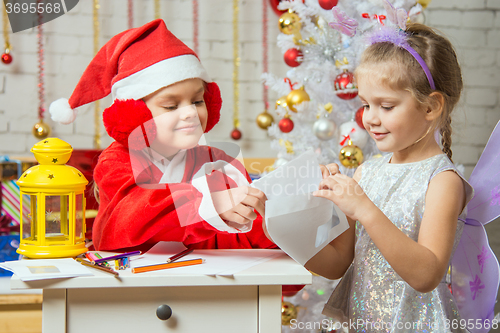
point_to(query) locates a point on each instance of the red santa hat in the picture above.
(132, 65)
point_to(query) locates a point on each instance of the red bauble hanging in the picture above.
(328, 4)
(291, 57)
(286, 124)
(6, 58)
(274, 6)
(236, 134)
(345, 87)
(359, 117)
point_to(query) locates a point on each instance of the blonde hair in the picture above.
(438, 54)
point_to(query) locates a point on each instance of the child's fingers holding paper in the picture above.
(329, 170)
(255, 203)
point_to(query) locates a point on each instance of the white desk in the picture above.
(249, 301)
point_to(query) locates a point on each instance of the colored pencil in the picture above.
(90, 256)
(98, 256)
(180, 255)
(184, 263)
(89, 264)
(118, 256)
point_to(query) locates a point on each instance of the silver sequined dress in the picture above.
(372, 297)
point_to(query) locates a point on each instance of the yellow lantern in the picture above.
(53, 223)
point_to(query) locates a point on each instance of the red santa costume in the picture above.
(140, 208)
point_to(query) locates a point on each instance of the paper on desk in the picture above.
(299, 223)
(40, 269)
(217, 261)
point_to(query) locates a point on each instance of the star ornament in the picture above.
(51, 176)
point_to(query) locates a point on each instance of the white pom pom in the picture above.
(61, 111)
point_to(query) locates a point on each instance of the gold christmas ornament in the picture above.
(281, 102)
(289, 23)
(264, 120)
(424, 3)
(41, 130)
(351, 156)
(296, 97)
(288, 312)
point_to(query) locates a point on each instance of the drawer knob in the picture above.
(164, 312)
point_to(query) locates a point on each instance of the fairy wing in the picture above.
(485, 206)
(475, 269)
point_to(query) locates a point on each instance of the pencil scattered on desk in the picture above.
(118, 256)
(96, 266)
(104, 263)
(175, 264)
(179, 255)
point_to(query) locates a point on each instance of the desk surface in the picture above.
(281, 270)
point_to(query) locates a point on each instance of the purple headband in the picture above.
(400, 38)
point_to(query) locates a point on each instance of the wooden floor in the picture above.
(20, 313)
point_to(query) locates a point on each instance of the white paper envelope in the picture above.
(302, 225)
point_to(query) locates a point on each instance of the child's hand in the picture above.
(328, 170)
(345, 192)
(237, 204)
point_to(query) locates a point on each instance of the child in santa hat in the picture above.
(156, 182)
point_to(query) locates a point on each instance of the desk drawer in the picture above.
(194, 309)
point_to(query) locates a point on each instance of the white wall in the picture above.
(472, 25)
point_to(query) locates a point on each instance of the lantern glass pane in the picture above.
(56, 218)
(29, 218)
(79, 216)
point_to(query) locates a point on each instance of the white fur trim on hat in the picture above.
(159, 75)
(61, 111)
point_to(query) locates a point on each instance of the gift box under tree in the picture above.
(10, 170)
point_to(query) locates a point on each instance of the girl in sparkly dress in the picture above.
(405, 209)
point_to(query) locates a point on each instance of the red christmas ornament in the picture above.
(345, 87)
(236, 134)
(274, 6)
(328, 4)
(6, 58)
(359, 117)
(291, 56)
(286, 125)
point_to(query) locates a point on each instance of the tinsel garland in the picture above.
(236, 65)
(130, 14)
(195, 26)
(41, 68)
(264, 53)
(97, 109)
(157, 9)
(6, 30)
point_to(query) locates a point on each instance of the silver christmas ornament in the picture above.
(324, 129)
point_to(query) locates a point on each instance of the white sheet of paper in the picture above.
(217, 262)
(39, 269)
(299, 223)
(301, 175)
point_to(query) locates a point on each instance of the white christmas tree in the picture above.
(319, 109)
(322, 42)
